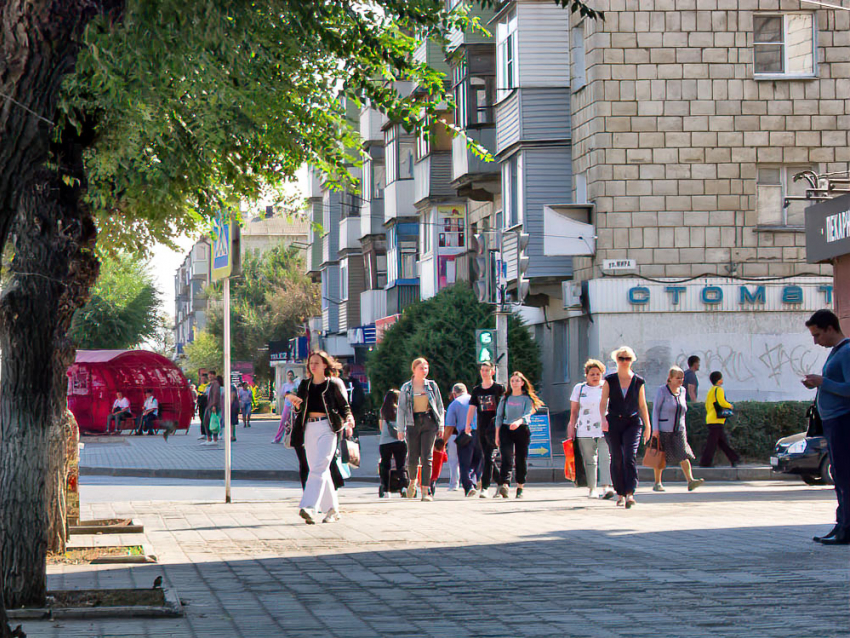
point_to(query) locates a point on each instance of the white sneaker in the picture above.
(472, 493)
(331, 517)
(593, 493)
(202, 438)
(484, 494)
(207, 443)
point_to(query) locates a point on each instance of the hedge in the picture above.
(754, 429)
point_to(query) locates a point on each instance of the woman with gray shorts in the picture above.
(586, 429)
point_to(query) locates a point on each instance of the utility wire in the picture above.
(26, 108)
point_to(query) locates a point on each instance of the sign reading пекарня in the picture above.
(719, 294)
(828, 230)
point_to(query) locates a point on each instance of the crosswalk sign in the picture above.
(225, 253)
(485, 346)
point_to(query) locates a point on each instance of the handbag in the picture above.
(569, 460)
(287, 429)
(463, 439)
(815, 427)
(215, 423)
(654, 456)
(350, 452)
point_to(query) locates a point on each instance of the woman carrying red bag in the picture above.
(585, 428)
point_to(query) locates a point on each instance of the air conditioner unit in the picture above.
(572, 294)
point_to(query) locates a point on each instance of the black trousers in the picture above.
(202, 413)
(395, 451)
(488, 452)
(623, 438)
(513, 444)
(717, 438)
(837, 433)
(145, 423)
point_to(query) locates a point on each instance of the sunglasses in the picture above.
(624, 358)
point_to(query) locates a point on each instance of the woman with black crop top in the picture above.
(623, 407)
(323, 412)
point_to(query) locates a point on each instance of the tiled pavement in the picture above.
(255, 458)
(728, 560)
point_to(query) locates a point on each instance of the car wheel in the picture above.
(808, 479)
(826, 471)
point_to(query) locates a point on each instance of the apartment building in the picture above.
(190, 303)
(690, 119)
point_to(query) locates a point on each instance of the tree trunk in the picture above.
(53, 268)
(39, 42)
(62, 453)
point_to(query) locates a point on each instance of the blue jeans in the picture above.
(470, 458)
(837, 433)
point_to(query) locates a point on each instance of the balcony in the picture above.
(371, 125)
(349, 234)
(465, 164)
(314, 255)
(400, 296)
(373, 306)
(432, 176)
(398, 200)
(372, 218)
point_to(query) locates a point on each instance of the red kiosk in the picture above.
(97, 375)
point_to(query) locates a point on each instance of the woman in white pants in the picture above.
(323, 412)
(586, 429)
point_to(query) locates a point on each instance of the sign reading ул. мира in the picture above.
(828, 230)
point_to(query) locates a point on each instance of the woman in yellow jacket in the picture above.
(715, 422)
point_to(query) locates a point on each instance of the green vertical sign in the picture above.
(485, 346)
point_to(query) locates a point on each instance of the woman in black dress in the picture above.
(624, 410)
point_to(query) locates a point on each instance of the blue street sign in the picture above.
(222, 265)
(540, 445)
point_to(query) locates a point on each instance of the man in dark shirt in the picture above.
(485, 400)
(691, 382)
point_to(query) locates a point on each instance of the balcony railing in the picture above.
(373, 306)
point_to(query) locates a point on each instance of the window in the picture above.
(423, 142)
(474, 97)
(774, 183)
(407, 259)
(579, 68)
(349, 204)
(511, 200)
(506, 52)
(343, 280)
(400, 152)
(427, 231)
(378, 180)
(784, 45)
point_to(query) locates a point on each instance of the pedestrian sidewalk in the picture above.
(730, 561)
(256, 458)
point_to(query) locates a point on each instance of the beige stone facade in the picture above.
(674, 134)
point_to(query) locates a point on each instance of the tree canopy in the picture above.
(269, 302)
(442, 329)
(124, 309)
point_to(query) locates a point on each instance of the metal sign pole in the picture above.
(228, 426)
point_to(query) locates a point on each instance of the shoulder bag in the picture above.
(654, 456)
(463, 439)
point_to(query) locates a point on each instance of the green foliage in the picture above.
(123, 310)
(270, 302)
(204, 352)
(198, 104)
(753, 431)
(442, 329)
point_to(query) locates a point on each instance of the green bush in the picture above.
(754, 429)
(263, 407)
(442, 329)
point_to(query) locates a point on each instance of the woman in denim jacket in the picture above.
(420, 419)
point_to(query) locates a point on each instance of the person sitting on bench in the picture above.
(120, 411)
(149, 415)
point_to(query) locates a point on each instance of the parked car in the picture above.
(803, 455)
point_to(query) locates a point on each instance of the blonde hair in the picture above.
(418, 361)
(590, 364)
(624, 350)
(675, 371)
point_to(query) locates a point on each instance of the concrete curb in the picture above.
(172, 608)
(535, 474)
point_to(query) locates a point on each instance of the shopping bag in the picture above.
(215, 423)
(350, 451)
(654, 455)
(569, 460)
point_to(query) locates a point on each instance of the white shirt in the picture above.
(122, 404)
(589, 422)
(152, 404)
